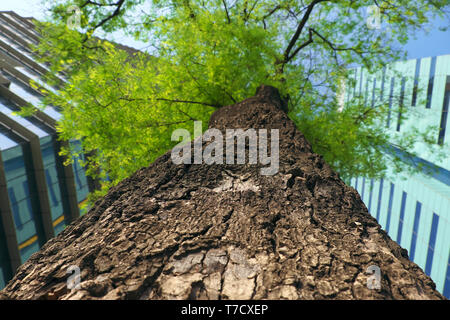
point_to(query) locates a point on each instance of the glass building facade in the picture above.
(39, 196)
(414, 210)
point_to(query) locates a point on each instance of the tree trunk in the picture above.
(227, 231)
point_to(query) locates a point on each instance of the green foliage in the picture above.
(208, 54)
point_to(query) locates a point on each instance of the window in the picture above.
(391, 196)
(370, 194)
(391, 96)
(77, 169)
(52, 178)
(51, 189)
(360, 82)
(431, 243)
(15, 208)
(373, 91)
(402, 97)
(444, 112)
(431, 82)
(5, 267)
(416, 83)
(412, 251)
(425, 166)
(351, 93)
(446, 292)
(21, 195)
(79, 172)
(26, 187)
(380, 193)
(366, 92)
(402, 217)
(363, 187)
(382, 83)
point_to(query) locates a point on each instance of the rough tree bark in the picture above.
(227, 232)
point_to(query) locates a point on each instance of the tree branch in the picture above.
(271, 12)
(98, 4)
(115, 13)
(166, 124)
(251, 10)
(187, 101)
(302, 46)
(299, 30)
(226, 11)
(173, 100)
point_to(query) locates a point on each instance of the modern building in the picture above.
(39, 196)
(414, 211)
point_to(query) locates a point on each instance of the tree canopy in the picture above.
(203, 55)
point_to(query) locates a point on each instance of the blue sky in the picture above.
(434, 43)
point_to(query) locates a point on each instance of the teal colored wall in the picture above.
(432, 192)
